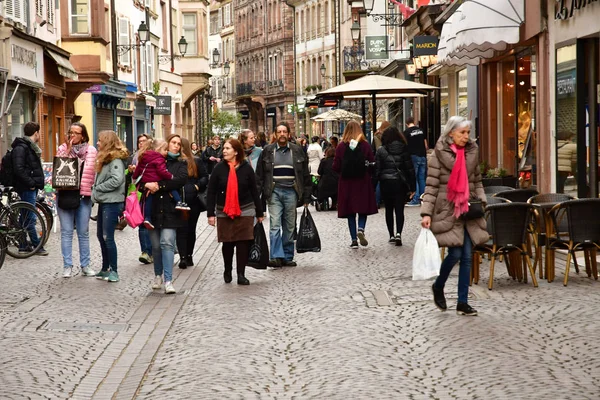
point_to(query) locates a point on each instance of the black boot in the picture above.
(182, 263)
(438, 298)
(189, 261)
(240, 275)
(227, 275)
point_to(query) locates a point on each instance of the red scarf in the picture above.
(232, 202)
(458, 184)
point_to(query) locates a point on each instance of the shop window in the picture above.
(444, 101)
(566, 120)
(463, 106)
(507, 151)
(79, 12)
(526, 130)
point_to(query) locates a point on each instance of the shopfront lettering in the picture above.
(565, 9)
(565, 86)
(23, 56)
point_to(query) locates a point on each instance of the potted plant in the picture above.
(319, 86)
(496, 176)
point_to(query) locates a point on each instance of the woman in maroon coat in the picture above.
(355, 188)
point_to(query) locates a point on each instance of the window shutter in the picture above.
(10, 8)
(124, 40)
(50, 11)
(18, 7)
(220, 18)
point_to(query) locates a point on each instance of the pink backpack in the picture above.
(133, 211)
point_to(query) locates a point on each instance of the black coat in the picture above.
(27, 166)
(247, 188)
(391, 158)
(164, 214)
(211, 152)
(328, 183)
(201, 181)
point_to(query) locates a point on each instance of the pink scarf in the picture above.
(458, 184)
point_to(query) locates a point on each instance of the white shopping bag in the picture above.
(426, 257)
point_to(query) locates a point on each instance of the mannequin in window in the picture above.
(523, 132)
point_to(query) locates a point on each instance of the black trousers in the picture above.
(186, 236)
(394, 204)
(241, 255)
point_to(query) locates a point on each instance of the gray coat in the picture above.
(109, 186)
(449, 230)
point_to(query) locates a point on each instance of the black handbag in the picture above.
(258, 256)
(475, 210)
(69, 199)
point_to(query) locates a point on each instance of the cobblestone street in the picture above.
(344, 324)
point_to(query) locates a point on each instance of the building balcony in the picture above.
(251, 88)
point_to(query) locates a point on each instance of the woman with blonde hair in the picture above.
(453, 178)
(356, 195)
(248, 140)
(109, 193)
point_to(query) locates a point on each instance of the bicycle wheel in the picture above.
(20, 222)
(46, 212)
(2, 248)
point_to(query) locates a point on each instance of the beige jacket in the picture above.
(567, 155)
(448, 230)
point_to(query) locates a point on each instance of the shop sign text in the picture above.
(23, 56)
(376, 48)
(566, 8)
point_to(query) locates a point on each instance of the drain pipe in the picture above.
(287, 2)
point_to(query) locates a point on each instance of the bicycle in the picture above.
(19, 220)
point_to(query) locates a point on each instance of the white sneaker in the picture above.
(68, 272)
(169, 289)
(88, 271)
(157, 282)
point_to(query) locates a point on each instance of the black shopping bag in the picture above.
(259, 250)
(65, 173)
(308, 236)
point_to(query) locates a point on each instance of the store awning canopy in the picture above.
(478, 29)
(336, 115)
(65, 68)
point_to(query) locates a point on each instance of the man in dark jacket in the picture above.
(213, 154)
(282, 172)
(29, 175)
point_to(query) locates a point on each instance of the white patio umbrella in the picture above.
(336, 115)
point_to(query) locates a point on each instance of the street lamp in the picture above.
(167, 58)
(355, 31)
(143, 35)
(391, 7)
(215, 58)
(368, 5)
(226, 68)
(323, 70)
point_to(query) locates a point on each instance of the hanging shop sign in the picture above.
(163, 105)
(245, 114)
(376, 48)
(27, 61)
(271, 112)
(425, 45)
(565, 9)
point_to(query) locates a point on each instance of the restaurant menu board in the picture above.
(49, 193)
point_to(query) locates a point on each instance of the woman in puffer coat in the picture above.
(391, 160)
(453, 177)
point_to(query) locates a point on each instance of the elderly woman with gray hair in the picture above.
(453, 177)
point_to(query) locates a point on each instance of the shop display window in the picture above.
(444, 101)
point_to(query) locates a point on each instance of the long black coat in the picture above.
(164, 214)
(201, 181)
(328, 183)
(27, 166)
(388, 160)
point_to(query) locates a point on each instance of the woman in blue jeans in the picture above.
(356, 194)
(109, 194)
(77, 146)
(165, 218)
(453, 178)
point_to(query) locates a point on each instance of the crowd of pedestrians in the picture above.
(238, 181)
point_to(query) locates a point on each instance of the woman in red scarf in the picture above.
(233, 198)
(453, 177)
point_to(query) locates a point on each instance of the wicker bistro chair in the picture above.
(508, 234)
(583, 232)
(489, 224)
(520, 195)
(496, 189)
(537, 226)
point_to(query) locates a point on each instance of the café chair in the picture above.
(537, 226)
(583, 232)
(508, 229)
(496, 189)
(517, 195)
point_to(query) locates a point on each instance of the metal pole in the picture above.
(364, 115)
(374, 122)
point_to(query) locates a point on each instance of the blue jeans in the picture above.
(456, 254)
(378, 194)
(69, 220)
(108, 218)
(145, 242)
(163, 248)
(282, 220)
(362, 222)
(30, 197)
(420, 166)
